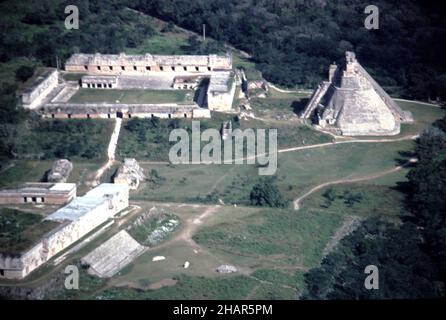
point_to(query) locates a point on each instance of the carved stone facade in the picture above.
(352, 103)
(123, 64)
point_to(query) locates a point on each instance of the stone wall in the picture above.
(109, 64)
(39, 88)
(121, 110)
(65, 234)
(35, 193)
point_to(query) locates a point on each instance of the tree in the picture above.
(266, 193)
(23, 73)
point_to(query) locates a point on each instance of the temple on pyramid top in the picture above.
(352, 103)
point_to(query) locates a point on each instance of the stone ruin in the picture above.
(113, 255)
(60, 171)
(226, 129)
(129, 173)
(352, 103)
(225, 268)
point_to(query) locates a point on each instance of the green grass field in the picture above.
(277, 105)
(297, 172)
(132, 96)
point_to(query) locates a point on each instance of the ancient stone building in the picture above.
(39, 193)
(186, 82)
(99, 82)
(38, 87)
(75, 220)
(124, 64)
(129, 174)
(113, 255)
(352, 103)
(226, 130)
(221, 90)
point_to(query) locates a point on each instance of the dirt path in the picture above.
(327, 144)
(288, 91)
(219, 180)
(191, 225)
(110, 152)
(419, 102)
(296, 203)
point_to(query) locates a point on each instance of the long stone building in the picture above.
(352, 103)
(39, 86)
(123, 110)
(123, 64)
(39, 193)
(72, 222)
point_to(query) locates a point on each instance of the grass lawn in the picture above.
(297, 172)
(279, 105)
(146, 142)
(132, 96)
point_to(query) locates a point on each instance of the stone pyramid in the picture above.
(352, 103)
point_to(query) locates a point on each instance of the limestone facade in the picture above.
(99, 82)
(78, 218)
(123, 64)
(221, 90)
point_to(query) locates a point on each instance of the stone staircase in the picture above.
(113, 255)
(315, 99)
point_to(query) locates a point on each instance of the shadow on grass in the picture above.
(298, 106)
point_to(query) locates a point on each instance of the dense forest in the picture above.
(291, 41)
(294, 41)
(411, 257)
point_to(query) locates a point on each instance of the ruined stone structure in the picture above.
(129, 174)
(226, 130)
(60, 171)
(221, 90)
(186, 82)
(113, 255)
(76, 219)
(39, 193)
(39, 86)
(352, 103)
(146, 64)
